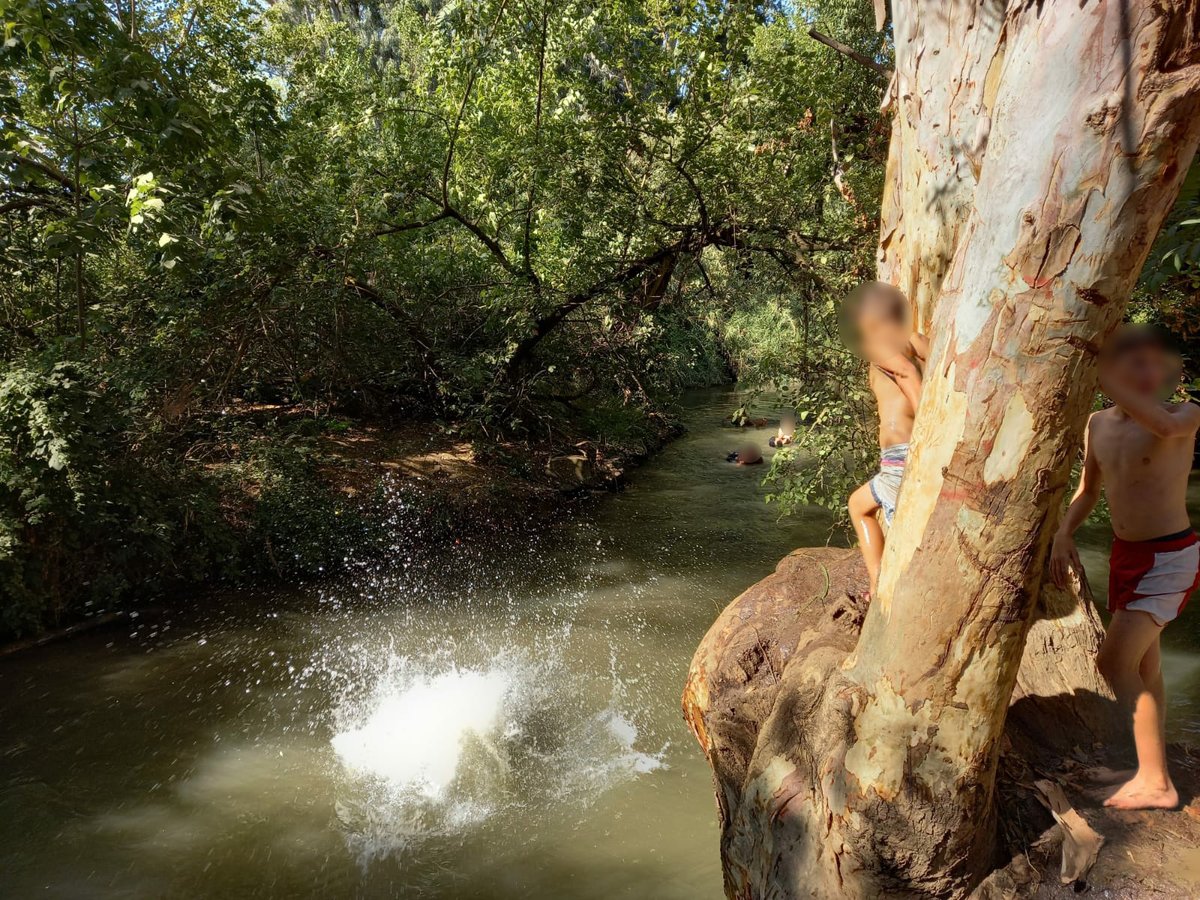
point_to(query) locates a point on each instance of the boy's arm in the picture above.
(1064, 555)
(1178, 420)
(905, 373)
(920, 345)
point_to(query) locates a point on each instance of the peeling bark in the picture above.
(1037, 148)
(947, 74)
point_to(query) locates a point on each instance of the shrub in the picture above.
(84, 522)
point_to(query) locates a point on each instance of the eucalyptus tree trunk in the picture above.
(1037, 148)
(940, 127)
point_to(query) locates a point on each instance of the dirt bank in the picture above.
(285, 493)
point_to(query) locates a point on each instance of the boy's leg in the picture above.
(1131, 648)
(1152, 677)
(863, 507)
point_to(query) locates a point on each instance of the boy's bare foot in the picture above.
(1135, 794)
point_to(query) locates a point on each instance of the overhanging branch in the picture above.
(694, 239)
(846, 50)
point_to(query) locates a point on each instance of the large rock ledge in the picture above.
(1062, 719)
(813, 597)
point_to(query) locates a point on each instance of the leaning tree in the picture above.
(1036, 148)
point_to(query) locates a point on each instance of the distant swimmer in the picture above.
(787, 431)
(749, 455)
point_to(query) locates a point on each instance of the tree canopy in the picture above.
(410, 200)
(525, 218)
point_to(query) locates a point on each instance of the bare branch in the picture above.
(491, 243)
(449, 212)
(27, 203)
(413, 329)
(47, 170)
(703, 207)
(411, 226)
(861, 58)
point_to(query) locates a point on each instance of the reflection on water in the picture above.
(496, 721)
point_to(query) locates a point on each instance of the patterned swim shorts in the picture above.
(885, 486)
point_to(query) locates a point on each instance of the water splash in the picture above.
(433, 748)
(414, 737)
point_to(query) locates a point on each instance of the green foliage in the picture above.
(459, 210)
(1168, 292)
(792, 344)
(541, 220)
(533, 222)
(300, 527)
(615, 424)
(82, 523)
(835, 449)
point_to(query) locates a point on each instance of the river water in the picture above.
(498, 721)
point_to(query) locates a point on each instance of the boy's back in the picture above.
(897, 411)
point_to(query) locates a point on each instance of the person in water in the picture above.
(786, 432)
(749, 455)
(1140, 450)
(877, 321)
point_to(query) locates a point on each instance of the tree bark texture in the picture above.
(1037, 148)
(777, 642)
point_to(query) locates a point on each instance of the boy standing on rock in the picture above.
(1141, 450)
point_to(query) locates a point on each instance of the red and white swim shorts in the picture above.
(1156, 576)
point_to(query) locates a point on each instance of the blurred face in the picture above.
(1146, 369)
(787, 423)
(880, 329)
(749, 455)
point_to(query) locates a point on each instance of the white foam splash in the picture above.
(414, 737)
(626, 734)
(433, 749)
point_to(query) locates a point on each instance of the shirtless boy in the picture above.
(878, 319)
(1141, 450)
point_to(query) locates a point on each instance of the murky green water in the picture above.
(499, 722)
